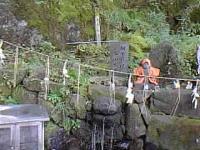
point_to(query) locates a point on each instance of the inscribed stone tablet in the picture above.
(119, 56)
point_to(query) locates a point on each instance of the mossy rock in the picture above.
(78, 108)
(24, 96)
(7, 76)
(164, 101)
(33, 84)
(96, 91)
(135, 126)
(174, 133)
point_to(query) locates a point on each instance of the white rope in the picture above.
(78, 88)
(46, 79)
(65, 72)
(16, 66)
(195, 95)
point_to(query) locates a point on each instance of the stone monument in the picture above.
(119, 56)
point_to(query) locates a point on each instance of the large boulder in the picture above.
(96, 91)
(33, 84)
(173, 133)
(114, 133)
(72, 32)
(37, 72)
(105, 106)
(84, 132)
(108, 121)
(77, 107)
(164, 100)
(141, 96)
(25, 96)
(164, 56)
(145, 113)
(7, 76)
(135, 126)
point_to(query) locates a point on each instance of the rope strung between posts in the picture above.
(99, 68)
(2, 56)
(16, 66)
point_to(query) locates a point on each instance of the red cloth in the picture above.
(153, 72)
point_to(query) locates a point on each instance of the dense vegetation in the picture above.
(143, 23)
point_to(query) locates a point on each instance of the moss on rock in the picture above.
(174, 133)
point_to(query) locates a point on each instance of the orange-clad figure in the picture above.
(145, 69)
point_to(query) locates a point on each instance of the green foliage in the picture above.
(137, 46)
(187, 46)
(51, 16)
(73, 81)
(55, 97)
(91, 49)
(158, 29)
(8, 100)
(59, 98)
(46, 47)
(128, 20)
(94, 55)
(71, 124)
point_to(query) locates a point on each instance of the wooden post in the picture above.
(97, 26)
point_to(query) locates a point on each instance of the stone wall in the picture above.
(112, 121)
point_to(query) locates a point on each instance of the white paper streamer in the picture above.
(2, 56)
(129, 94)
(65, 72)
(189, 85)
(195, 96)
(46, 79)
